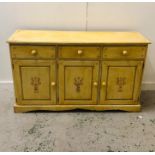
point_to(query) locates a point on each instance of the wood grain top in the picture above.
(79, 37)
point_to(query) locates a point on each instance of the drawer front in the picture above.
(79, 52)
(124, 52)
(33, 52)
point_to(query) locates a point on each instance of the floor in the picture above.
(76, 130)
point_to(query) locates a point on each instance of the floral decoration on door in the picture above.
(78, 81)
(120, 81)
(35, 82)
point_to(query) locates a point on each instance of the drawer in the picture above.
(79, 52)
(21, 51)
(122, 52)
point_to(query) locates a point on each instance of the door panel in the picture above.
(78, 82)
(74, 80)
(33, 81)
(122, 82)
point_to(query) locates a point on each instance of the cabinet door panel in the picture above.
(76, 85)
(76, 81)
(122, 80)
(33, 81)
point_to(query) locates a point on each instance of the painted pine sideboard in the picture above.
(66, 70)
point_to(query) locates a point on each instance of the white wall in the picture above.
(78, 16)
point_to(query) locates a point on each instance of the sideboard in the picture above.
(66, 70)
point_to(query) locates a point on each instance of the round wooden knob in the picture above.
(95, 83)
(79, 52)
(125, 52)
(53, 83)
(33, 52)
(103, 84)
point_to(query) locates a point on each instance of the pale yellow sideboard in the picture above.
(60, 70)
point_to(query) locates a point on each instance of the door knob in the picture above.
(103, 84)
(95, 83)
(53, 83)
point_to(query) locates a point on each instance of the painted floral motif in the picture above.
(35, 82)
(120, 81)
(78, 81)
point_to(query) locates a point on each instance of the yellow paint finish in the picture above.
(63, 37)
(122, 80)
(28, 108)
(70, 73)
(78, 79)
(26, 52)
(66, 70)
(124, 52)
(77, 52)
(33, 81)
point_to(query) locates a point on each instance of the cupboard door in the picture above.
(120, 82)
(33, 79)
(78, 82)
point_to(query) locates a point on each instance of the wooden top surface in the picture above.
(80, 37)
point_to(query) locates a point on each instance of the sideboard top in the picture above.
(80, 37)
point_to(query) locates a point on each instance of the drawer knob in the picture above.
(53, 83)
(95, 83)
(33, 52)
(125, 52)
(103, 84)
(79, 52)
